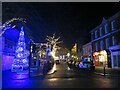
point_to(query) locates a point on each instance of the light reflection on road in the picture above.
(53, 79)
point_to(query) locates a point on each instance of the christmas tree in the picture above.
(20, 61)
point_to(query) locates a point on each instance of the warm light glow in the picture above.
(103, 52)
(68, 68)
(53, 69)
(53, 54)
(101, 58)
(53, 79)
(68, 54)
(95, 53)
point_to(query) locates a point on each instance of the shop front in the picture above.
(115, 56)
(102, 58)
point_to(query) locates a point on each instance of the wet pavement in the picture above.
(64, 77)
(114, 72)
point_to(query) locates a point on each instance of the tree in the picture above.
(53, 44)
(20, 61)
(74, 52)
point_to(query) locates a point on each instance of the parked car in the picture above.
(87, 65)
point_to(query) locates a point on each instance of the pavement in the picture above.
(115, 72)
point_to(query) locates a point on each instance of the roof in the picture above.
(106, 20)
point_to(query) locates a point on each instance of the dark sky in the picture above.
(72, 21)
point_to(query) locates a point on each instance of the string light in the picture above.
(7, 25)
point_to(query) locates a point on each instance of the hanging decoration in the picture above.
(8, 24)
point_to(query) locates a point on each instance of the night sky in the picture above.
(72, 21)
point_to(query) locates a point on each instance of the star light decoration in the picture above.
(8, 24)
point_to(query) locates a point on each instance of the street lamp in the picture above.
(68, 54)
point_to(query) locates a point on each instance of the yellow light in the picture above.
(53, 79)
(95, 53)
(103, 52)
(53, 69)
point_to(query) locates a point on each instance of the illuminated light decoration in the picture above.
(19, 55)
(103, 52)
(24, 60)
(7, 25)
(53, 69)
(68, 54)
(53, 41)
(95, 53)
(100, 57)
(20, 61)
(68, 68)
(53, 79)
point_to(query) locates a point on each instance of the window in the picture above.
(113, 24)
(113, 40)
(101, 45)
(115, 60)
(96, 45)
(107, 42)
(92, 36)
(106, 28)
(95, 34)
(101, 31)
(8, 44)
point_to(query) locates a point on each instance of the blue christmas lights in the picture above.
(20, 61)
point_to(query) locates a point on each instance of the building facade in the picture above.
(87, 50)
(10, 37)
(105, 39)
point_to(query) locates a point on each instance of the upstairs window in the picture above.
(101, 44)
(113, 40)
(106, 28)
(96, 34)
(113, 25)
(107, 42)
(101, 32)
(96, 46)
(92, 36)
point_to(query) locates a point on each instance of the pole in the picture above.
(104, 70)
(30, 57)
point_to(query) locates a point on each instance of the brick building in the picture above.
(105, 39)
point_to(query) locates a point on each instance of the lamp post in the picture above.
(30, 56)
(104, 65)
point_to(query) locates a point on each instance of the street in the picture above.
(59, 45)
(64, 77)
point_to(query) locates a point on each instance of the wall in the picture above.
(7, 62)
